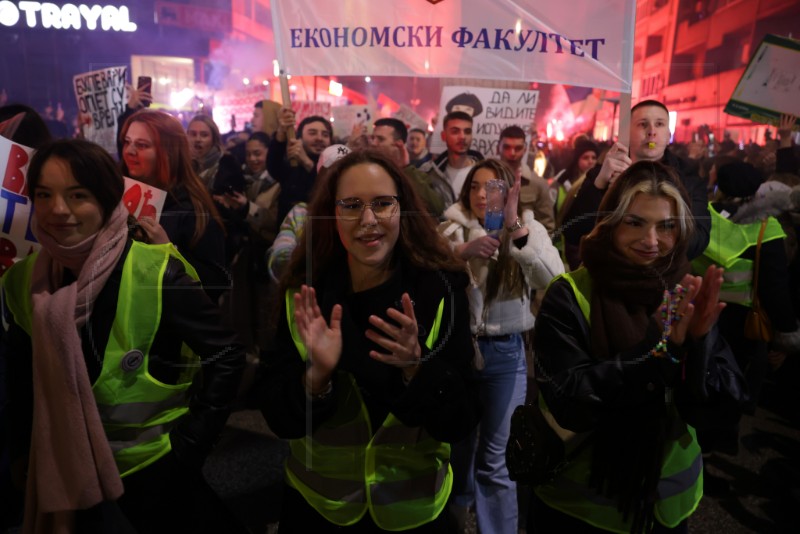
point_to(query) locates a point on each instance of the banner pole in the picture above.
(287, 102)
(624, 131)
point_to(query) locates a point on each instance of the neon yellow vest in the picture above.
(680, 487)
(727, 243)
(137, 410)
(401, 475)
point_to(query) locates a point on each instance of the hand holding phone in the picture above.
(144, 85)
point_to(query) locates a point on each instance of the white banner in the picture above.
(492, 110)
(101, 97)
(577, 42)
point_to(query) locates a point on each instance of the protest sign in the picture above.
(16, 239)
(143, 200)
(101, 96)
(411, 119)
(307, 108)
(581, 42)
(345, 118)
(770, 84)
(491, 109)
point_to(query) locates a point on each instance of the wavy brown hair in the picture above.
(507, 272)
(174, 164)
(419, 243)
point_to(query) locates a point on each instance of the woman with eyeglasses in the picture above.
(155, 150)
(504, 268)
(370, 374)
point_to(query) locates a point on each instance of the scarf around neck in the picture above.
(71, 463)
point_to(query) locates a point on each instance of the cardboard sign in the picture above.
(491, 110)
(101, 97)
(345, 118)
(770, 85)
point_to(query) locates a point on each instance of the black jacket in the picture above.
(188, 316)
(581, 390)
(296, 182)
(442, 398)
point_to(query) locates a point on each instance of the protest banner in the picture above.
(101, 96)
(770, 85)
(16, 239)
(491, 110)
(581, 42)
(143, 200)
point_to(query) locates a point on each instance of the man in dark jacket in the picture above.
(293, 162)
(649, 137)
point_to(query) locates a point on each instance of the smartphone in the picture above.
(145, 84)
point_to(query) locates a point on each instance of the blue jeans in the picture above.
(479, 462)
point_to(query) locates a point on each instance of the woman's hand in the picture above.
(512, 201)
(401, 341)
(706, 303)
(232, 200)
(785, 127)
(155, 232)
(480, 247)
(323, 342)
(137, 99)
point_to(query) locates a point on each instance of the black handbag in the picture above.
(536, 453)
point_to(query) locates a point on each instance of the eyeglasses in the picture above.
(350, 209)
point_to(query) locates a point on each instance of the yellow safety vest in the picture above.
(680, 487)
(137, 410)
(401, 475)
(727, 243)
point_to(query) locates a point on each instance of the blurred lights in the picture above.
(367, 79)
(163, 80)
(518, 27)
(335, 88)
(178, 99)
(265, 83)
(276, 70)
(246, 81)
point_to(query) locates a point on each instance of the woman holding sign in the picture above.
(505, 265)
(106, 338)
(156, 152)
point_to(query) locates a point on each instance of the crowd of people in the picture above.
(367, 297)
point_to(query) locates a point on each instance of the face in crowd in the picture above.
(416, 144)
(648, 229)
(457, 135)
(139, 153)
(201, 139)
(315, 138)
(649, 133)
(368, 233)
(512, 150)
(256, 156)
(64, 208)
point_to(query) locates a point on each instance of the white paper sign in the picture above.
(143, 200)
(101, 97)
(16, 239)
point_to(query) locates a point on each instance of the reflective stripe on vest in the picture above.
(400, 475)
(680, 487)
(728, 241)
(137, 411)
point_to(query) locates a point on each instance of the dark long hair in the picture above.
(507, 272)
(174, 164)
(419, 244)
(91, 166)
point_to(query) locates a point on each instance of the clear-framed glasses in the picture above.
(350, 209)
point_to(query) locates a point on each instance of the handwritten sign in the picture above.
(492, 111)
(16, 238)
(101, 98)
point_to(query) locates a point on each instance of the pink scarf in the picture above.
(71, 463)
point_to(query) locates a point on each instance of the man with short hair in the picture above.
(418, 147)
(390, 135)
(293, 162)
(649, 137)
(534, 193)
(449, 170)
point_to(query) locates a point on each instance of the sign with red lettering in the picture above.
(143, 200)
(16, 238)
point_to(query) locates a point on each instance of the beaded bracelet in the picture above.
(669, 316)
